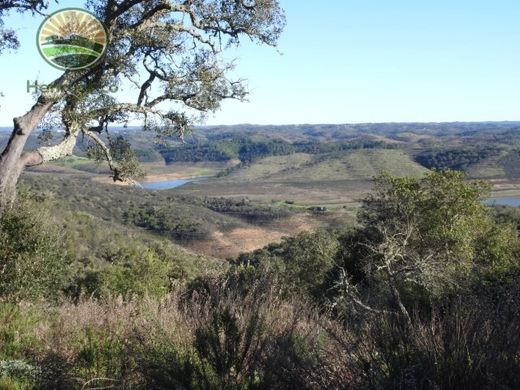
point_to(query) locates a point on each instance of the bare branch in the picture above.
(348, 290)
(112, 165)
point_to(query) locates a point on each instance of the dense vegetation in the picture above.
(183, 218)
(244, 208)
(247, 150)
(160, 219)
(421, 293)
(494, 130)
(73, 253)
(484, 150)
(458, 159)
(163, 219)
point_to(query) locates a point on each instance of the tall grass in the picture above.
(223, 337)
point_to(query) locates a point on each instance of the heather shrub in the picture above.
(213, 339)
(471, 342)
(33, 253)
(17, 330)
(85, 342)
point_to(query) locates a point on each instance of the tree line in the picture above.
(247, 150)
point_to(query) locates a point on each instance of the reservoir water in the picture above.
(166, 184)
(169, 184)
(508, 201)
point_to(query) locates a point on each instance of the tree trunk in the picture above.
(13, 160)
(398, 301)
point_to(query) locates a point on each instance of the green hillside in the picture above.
(349, 165)
(336, 179)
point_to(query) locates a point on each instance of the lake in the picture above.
(507, 201)
(169, 184)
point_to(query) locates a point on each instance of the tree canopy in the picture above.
(8, 38)
(166, 53)
(430, 236)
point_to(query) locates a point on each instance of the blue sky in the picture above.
(348, 61)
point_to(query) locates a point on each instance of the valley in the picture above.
(272, 181)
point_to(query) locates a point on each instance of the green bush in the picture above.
(17, 333)
(301, 263)
(33, 253)
(131, 270)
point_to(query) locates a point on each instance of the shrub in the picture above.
(301, 263)
(472, 342)
(33, 255)
(128, 271)
(17, 374)
(17, 324)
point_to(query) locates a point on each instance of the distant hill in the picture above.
(483, 149)
(349, 165)
(346, 131)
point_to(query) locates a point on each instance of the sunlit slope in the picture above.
(334, 180)
(356, 165)
(504, 165)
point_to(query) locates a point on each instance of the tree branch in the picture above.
(117, 172)
(106, 151)
(50, 153)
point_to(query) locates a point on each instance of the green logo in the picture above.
(72, 39)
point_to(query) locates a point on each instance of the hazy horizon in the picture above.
(6, 127)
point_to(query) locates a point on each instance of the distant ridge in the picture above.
(370, 127)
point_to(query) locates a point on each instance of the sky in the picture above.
(349, 61)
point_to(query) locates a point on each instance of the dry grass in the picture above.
(224, 334)
(245, 239)
(227, 339)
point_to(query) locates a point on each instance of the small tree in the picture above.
(169, 50)
(427, 235)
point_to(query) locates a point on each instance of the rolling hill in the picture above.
(336, 179)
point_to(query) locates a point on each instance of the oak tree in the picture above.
(424, 236)
(169, 50)
(8, 38)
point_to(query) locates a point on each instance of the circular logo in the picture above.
(72, 39)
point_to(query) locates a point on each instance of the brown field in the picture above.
(232, 243)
